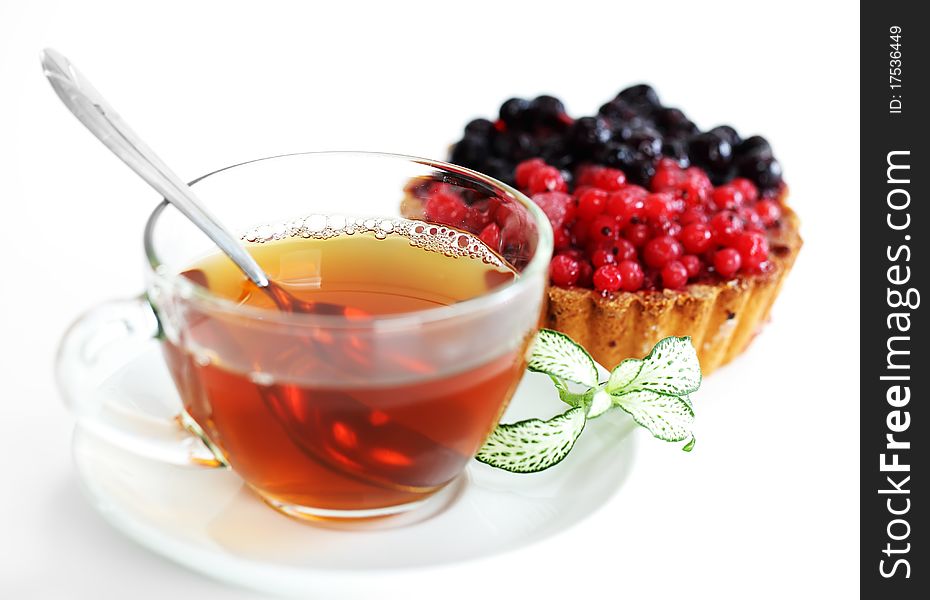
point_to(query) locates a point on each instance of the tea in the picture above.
(300, 417)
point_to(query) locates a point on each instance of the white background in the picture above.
(766, 506)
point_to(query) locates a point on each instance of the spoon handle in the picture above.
(99, 117)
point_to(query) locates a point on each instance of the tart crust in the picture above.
(721, 318)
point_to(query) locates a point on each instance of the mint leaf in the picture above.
(533, 445)
(558, 356)
(666, 417)
(671, 368)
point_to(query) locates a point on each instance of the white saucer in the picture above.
(208, 521)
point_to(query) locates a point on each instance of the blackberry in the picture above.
(710, 152)
(756, 146)
(469, 152)
(523, 146)
(677, 149)
(646, 141)
(481, 128)
(641, 95)
(616, 155)
(515, 146)
(617, 111)
(588, 135)
(727, 133)
(641, 170)
(498, 168)
(547, 111)
(624, 130)
(515, 113)
(673, 122)
(554, 150)
(764, 171)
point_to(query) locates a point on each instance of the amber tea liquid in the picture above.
(317, 433)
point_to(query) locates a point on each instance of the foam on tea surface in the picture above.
(370, 266)
(435, 238)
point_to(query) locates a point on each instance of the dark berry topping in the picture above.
(588, 135)
(548, 111)
(673, 123)
(638, 197)
(710, 152)
(765, 171)
(725, 132)
(515, 113)
(640, 95)
(754, 146)
(480, 129)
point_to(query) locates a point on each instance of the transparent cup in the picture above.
(323, 416)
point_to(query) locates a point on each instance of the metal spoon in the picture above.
(98, 116)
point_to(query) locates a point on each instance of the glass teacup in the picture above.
(324, 415)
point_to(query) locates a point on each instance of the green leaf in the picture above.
(533, 445)
(600, 402)
(671, 368)
(624, 373)
(690, 445)
(666, 417)
(559, 356)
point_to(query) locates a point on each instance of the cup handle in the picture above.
(97, 346)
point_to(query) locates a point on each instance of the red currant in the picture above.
(696, 238)
(561, 238)
(672, 228)
(608, 179)
(580, 232)
(769, 211)
(753, 249)
(659, 251)
(525, 169)
(558, 206)
(728, 197)
(584, 176)
(591, 203)
(674, 275)
(603, 256)
(695, 214)
(727, 262)
(667, 179)
(692, 263)
(607, 278)
(627, 202)
(631, 275)
(546, 179)
(638, 234)
(623, 250)
(603, 229)
(659, 207)
(725, 225)
(564, 270)
(747, 188)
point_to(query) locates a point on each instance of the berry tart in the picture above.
(660, 228)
